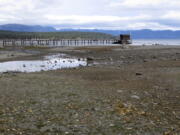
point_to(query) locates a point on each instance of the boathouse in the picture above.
(124, 39)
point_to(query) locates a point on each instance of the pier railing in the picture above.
(55, 43)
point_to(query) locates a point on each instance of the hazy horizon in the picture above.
(89, 28)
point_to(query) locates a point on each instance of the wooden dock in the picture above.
(55, 43)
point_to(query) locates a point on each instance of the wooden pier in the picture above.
(55, 43)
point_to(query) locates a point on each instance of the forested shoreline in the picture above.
(55, 35)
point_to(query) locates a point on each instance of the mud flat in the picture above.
(125, 91)
(11, 54)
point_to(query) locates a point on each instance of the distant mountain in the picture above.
(26, 28)
(137, 34)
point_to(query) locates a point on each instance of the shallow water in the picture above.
(53, 62)
(156, 41)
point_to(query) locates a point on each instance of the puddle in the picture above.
(52, 62)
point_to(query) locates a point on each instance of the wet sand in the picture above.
(124, 91)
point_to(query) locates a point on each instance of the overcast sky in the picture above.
(102, 14)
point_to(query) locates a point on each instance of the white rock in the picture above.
(119, 91)
(135, 97)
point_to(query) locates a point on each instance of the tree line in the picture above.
(55, 35)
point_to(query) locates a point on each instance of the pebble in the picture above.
(135, 97)
(89, 59)
(138, 74)
(111, 125)
(145, 60)
(119, 91)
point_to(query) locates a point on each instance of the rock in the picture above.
(80, 65)
(122, 57)
(135, 97)
(90, 59)
(156, 87)
(138, 74)
(111, 125)
(145, 60)
(110, 59)
(119, 91)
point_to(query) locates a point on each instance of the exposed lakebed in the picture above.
(50, 62)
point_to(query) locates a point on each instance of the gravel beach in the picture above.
(122, 91)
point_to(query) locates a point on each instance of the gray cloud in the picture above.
(107, 14)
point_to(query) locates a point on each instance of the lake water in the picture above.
(53, 62)
(156, 41)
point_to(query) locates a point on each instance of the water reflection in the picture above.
(53, 62)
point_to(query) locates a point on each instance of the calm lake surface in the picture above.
(156, 41)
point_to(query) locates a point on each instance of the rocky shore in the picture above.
(122, 91)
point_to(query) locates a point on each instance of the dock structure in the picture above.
(55, 43)
(1, 45)
(124, 39)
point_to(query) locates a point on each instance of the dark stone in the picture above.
(138, 74)
(89, 59)
(145, 60)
